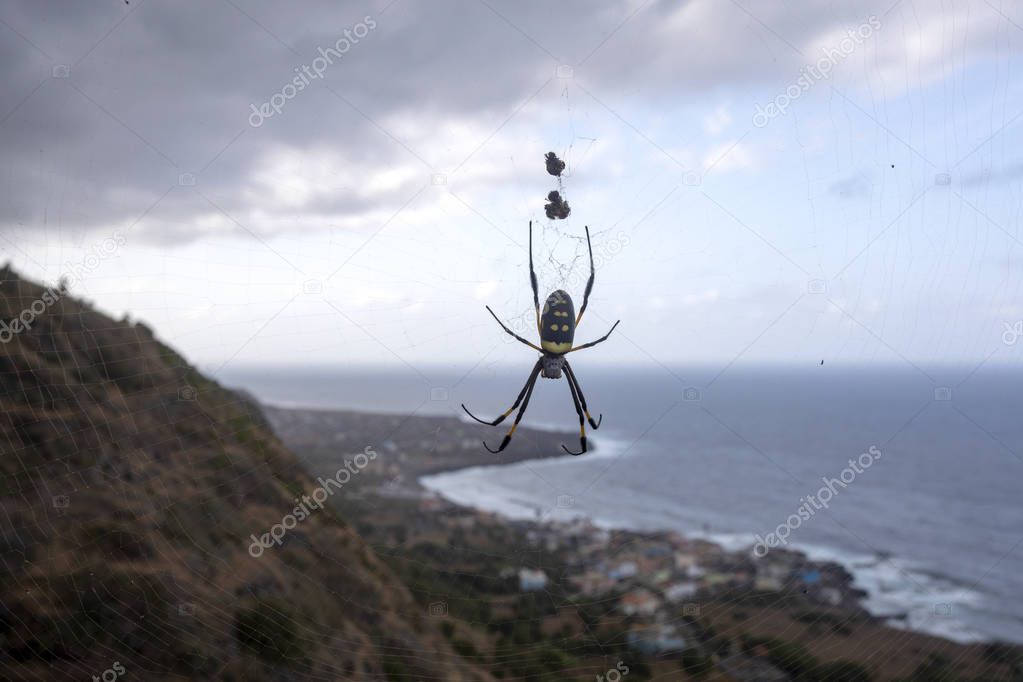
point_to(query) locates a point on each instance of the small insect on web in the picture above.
(557, 208)
(555, 166)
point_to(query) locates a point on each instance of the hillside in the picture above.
(131, 488)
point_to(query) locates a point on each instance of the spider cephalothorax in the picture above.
(552, 366)
(556, 326)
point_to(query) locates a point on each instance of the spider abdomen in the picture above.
(557, 323)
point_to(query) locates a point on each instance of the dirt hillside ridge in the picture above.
(131, 488)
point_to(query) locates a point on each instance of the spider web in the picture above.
(940, 243)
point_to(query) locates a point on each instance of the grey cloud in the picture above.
(165, 91)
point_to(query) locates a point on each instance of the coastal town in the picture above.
(556, 597)
(661, 577)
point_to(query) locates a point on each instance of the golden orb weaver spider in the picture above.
(556, 326)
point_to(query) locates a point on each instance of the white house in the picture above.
(532, 581)
(680, 591)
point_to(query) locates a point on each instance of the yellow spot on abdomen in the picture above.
(564, 327)
(554, 327)
(552, 347)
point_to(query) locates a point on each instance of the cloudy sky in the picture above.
(306, 184)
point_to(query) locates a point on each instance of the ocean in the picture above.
(928, 516)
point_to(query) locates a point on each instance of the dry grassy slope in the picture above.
(147, 564)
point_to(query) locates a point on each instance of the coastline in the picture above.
(426, 475)
(894, 591)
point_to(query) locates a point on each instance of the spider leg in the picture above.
(582, 399)
(582, 421)
(589, 284)
(518, 417)
(531, 345)
(522, 393)
(594, 343)
(532, 278)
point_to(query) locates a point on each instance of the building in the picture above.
(640, 603)
(660, 577)
(592, 583)
(655, 640)
(831, 596)
(679, 591)
(767, 583)
(431, 504)
(624, 570)
(532, 581)
(810, 577)
(716, 579)
(687, 563)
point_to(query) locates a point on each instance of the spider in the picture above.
(556, 326)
